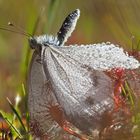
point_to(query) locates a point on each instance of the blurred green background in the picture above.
(117, 21)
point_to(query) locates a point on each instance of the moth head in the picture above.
(33, 43)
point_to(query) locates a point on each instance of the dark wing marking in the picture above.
(68, 26)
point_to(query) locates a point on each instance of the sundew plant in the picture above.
(52, 89)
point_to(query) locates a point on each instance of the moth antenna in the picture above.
(19, 29)
(15, 29)
(68, 27)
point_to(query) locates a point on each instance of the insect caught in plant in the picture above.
(73, 78)
(67, 85)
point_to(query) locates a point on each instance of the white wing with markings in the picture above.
(84, 94)
(40, 96)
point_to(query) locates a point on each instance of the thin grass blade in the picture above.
(11, 125)
(17, 115)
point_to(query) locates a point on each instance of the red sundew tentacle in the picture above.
(56, 113)
(118, 87)
(70, 131)
(119, 72)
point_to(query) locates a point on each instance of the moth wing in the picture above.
(100, 56)
(84, 94)
(40, 96)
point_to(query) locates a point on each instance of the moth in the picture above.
(68, 84)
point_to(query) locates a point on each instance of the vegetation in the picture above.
(101, 21)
